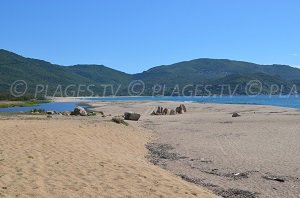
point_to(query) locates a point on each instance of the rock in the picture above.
(172, 112)
(131, 116)
(49, 116)
(101, 112)
(153, 113)
(50, 112)
(159, 110)
(79, 111)
(235, 115)
(119, 120)
(183, 107)
(165, 111)
(66, 113)
(179, 110)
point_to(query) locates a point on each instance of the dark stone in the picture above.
(234, 115)
(50, 112)
(165, 111)
(131, 116)
(172, 112)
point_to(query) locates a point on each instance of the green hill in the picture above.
(215, 72)
(15, 67)
(203, 69)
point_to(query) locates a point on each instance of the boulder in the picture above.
(66, 113)
(179, 110)
(159, 110)
(172, 112)
(79, 111)
(165, 111)
(183, 107)
(153, 113)
(131, 116)
(234, 115)
(119, 120)
(50, 112)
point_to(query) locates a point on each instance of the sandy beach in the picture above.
(81, 157)
(193, 154)
(233, 157)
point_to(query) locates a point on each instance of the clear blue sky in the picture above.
(134, 35)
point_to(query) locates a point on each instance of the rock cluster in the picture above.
(78, 111)
(164, 111)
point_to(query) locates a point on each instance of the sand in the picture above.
(81, 157)
(234, 157)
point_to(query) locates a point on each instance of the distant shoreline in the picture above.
(275, 101)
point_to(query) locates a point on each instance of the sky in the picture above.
(135, 35)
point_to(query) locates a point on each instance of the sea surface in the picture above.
(282, 101)
(54, 106)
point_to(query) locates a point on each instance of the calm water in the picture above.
(282, 101)
(55, 106)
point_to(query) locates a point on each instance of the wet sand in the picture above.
(234, 157)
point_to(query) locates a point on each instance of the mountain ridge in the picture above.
(185, 61)
(197, 71)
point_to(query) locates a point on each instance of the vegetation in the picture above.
(6, 104)
(38, 111)
(56, 80)
(119, 121)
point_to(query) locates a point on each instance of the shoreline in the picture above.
(81, 99)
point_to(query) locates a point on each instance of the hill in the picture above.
(216, 68)
(15, 67)
(66, 80)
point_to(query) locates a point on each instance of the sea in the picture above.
(292, 101)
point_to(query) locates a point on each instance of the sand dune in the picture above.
(77, 157)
